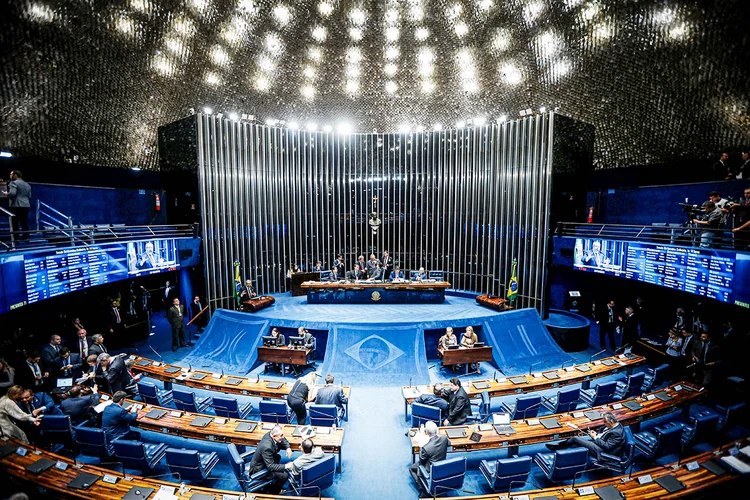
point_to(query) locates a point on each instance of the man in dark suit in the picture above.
(629, 328)
(459, 408)
(67, 365)
(387, 263)
(96, 345)
(435, 399)
(176, 318)
(95, 373)
(611, 440)
(196, 306)
(377, 273)
(355, 274)
(330, 395)
(707, 360)
(607, 320)
(30, 374)
(116, 420)
(50, 352)
(338, 263)
(686, 351)
(267, 457)
(77, 407)
(118, 376)
(720, 170)
(433, 450)
(396, 274)
(115, 319)
(83, 342)
(247, 291)
(37, 403)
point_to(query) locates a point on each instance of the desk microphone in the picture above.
(572, 361)
(257, 378)
(190, 367)
(537, 363)
(622, 348)
(410, 382)
(160, 358)
(494, 376)
(598, 353)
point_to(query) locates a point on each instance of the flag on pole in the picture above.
(237, 281)
(513, 285)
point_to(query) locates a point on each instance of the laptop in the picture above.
(501, 423)
(201, 421)
(593, 415)
(233, 381)
(452, 347)
(275, 385)
(246, 427)
(478, 344)
(609, 493)
(663, 396)
(456, 433)
(83, 481)
(203, 496)
(156, 414)
(40, 466)
(609, 362)
(517, 380)
(670, 483)
(7, 450)
(64, 383)
(171, 369)
(138, 493)
(480, 385)
(198, 376)
(550, 423)
(305, 431)
(632, 405)
(583, 368)
(551, 375)
(143, 362)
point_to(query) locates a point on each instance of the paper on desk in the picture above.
(736, 464)
(101, 406)
(421, 439)
(165, 495)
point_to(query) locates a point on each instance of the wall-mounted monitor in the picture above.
(152, 256)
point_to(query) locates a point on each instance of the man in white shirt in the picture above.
(310, 454)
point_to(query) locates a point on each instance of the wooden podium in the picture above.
(255, 305)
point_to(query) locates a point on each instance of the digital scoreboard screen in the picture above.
(708, 273)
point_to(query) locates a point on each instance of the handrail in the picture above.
(7, 212)
(40, 202)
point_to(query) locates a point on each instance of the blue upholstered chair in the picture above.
(186, 400)
(654, 377)
(562, 465)
(483, 412)
(240, 463)
(191, 464)
(730, 414)
(564, 401)
(225, 406)
(138, 455)
(421, 414)
(663, 440)
(702, 427)
(314, 477)
(152, 395)
(505, 473)
(275, 411)
(444, 476)
(524, 407)
(601, 394)
(324, 415)
(92, 442)
(619, 464)
(57, 430)
(631, 386)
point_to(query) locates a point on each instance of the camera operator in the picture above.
(741, 229)
(709, 223)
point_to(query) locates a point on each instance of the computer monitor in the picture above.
(269, 341)
(63, 383)
(478, 344)
(325, 275)
(437, 275)
(297, 341)
(413, 275)
(501, 418)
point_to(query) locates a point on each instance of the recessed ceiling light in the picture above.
(325, 9)
(312, 126)
(437, 127)
(327, 128)
(391, 87)
(207, 110)
(421, 34)
(357, 17)
(282, 14)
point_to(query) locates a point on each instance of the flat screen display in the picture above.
(716, 274)
(152, 256)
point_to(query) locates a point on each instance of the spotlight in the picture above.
(344, 128)
(419, 129)
(219, 115)
(271, 121)
(244, 116)
(390, 86)
(404, 128)
(293, 125)
(191, 111)
(5, 154)
(502, 118)
(460, 124)
(311, 126)
(528, 111)
(542, 109)
(207, 110)
(480, 121)
(522, 112)
(327, 128)
(437, 127)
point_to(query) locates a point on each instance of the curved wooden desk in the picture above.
(255, 305)
(695, 481)
(223, 429)
(496, 303)
(538, 382)
(57, 480)
(652, 407)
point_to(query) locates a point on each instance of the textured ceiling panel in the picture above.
(92, 80)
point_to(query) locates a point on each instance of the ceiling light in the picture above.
(664, 16)
(327, 128)
(162, 65)
(262, 83)
(265, 63)
(319, 33)
(309, 71)
(428, 86)
(273, 43)
(501, 40)
(677, 32)
(355, 34)
(353, 71)
(461, 29)
(207, 110)
(392, 53)
(453, 11)
(271, 121)
(311, 126)
(125, 25)
(390, 69)
(391, 87)
(325, 9)
(510, 74)
(391, 16)
(522, 112)
(559, 69)
(471, 86)
(352, 86)
(419, 129)
(308, 91)
(404, 128)
(421, 34)
(5, 154)
(282, 14)
(183, 26)
(344, 128)
(590, 11)
(234, 117)
(502, 118)
(357, 17)
(42, 13)
(293, 125)
(391, 34)
(548, 44)
(174, 45)
(219, 55)
(480, 121)
(212, 78)
(354, 55)
(460, 124)
(247, 7)
(314, 53)
(437, 127)
(484, 5)
(532, 11)
(542, 109)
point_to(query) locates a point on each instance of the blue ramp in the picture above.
(230, 342)
(519, 340)
(376, 354)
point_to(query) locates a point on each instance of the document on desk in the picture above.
(101, 406)
(736, 464)
(421, 439)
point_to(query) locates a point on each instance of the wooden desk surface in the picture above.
(465, 355)
(530, 434)
(225, 432)
(246, 387)
(283, 354)
(504, 387)
(696, 481)
(414, 285)
(57, 480)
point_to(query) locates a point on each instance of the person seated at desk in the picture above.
(330, 395)
(377, 274)
(396, 275)
(372, 264)
(36, 404)
(447, 340)
(432, 448)
(280, 342)
(435, 399)
(469, 338)
(116, 420)
(318, 267)
(459, 408)
(354, 274)
(335, 274)
(421, 274)
(267, 458)
(611, 440)
(78, 407)
(310, 454)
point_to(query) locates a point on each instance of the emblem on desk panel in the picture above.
(375, 296)
(374, 352)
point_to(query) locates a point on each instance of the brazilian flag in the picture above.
(237, 281)
(513, 285)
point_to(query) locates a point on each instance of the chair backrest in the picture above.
(147, 389)
(527, 406)
(421, 414)
(733, 413)
(235, 460)
(659, 373)
(705, 425)
(567, 399)
(447, 475)
(668, 438)
(568, 463)
(634, 383)
(510, 470)
(92, 441)
(628, 451)
(604, 393)
(319, 474)
(185, 462)
(484, 406)
(226, 407)
(273, 411)
(57, 428)
(323, 415)
(184, 400)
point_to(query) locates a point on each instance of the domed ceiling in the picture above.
(90, 80)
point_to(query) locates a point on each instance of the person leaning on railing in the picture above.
(709, 223)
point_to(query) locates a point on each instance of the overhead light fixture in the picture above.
(437, 127)
(480, 121)
(460, 124)
(327, 128)
(311, 126)
(542, 109)
(404, 128)
(344, 128)
(419, 129)
(391, 87)
(271, 121)
(207, 110)
(5, 154)
(293, 125)
(502, 118)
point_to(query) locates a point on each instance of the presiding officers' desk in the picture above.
(227, 384)
(642, 485)
(224, 430)
(531, 431)
(582, 374)
(283, 355)
(55, 480)
(467, 356)
(376, 292)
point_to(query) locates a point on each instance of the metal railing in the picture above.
(97, 234)
(687, 234)
(7, 215)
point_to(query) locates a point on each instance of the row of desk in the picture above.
(506, 386)
(532, 431)
(373, 292)
(56, 480)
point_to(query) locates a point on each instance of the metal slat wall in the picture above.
(463, 201)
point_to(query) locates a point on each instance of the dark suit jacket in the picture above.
(79, 409)
(56, 372)
(603, 316)
(113, 319)
(195, 309)
(49, 354)
(432, 400)
(25, 376)
(434, 451)
(629, 326)
(688, 344)
(266, 456)
(40, 399)
(96, 349)
(175, 320)
(459, 408)
(280, 340)
(331, 395)
(117, 375)
(116, 421)
(393, 275)
(612, 440)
